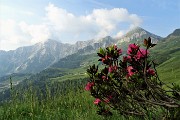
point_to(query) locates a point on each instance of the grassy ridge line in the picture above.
(69, 77)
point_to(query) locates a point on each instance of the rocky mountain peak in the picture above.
(138, 34)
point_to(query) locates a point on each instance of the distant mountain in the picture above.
(168, 46)
(77, 59)
(176, 33)
(87, 55)
(35, 58)
(32, 59)
(137, 35)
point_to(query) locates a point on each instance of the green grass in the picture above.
(74, 105)
(169, 70)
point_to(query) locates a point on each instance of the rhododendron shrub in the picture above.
(129, 84)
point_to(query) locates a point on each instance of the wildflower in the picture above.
(97, 101)
(104, 77)
(151, 72)
(141, 53)
(132, 48)
(126, 58)
(131, 70)
(89, 85)
(119, 51)
(112, 68)
(105, 58)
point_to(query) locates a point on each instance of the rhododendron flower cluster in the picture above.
(97, 101)
(124, 84)
(142, 53)
(151, 72)
(89, 85)
(112, 68)
(131, 71)
(135, 52)
(132, 49)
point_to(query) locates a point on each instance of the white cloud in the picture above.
(11, 36)
(100, 23)
(36, 32)
(108, 20)
(27, 13)
(119, 34)
(62, 25)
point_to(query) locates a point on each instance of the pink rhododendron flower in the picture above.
(142, 53)
(107, 57)
(89, 86)
(97, 101)
(151, 71)
(103, 59)
(126, 58)
(130, 70)
(104, 77)
(119, 51)
(131, 48)
(112, 68)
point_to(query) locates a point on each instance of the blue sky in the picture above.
(26, 22)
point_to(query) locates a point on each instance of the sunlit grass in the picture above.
(74, 105)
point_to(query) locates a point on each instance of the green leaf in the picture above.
(100, 55)
(101, 51)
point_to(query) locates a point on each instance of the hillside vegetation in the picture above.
(167, 55)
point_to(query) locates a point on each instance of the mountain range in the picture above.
(35, 58)
(70, 68)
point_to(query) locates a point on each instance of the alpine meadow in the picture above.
(89, 60)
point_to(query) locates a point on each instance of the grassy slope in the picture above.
(167, 53)
(169, 71)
